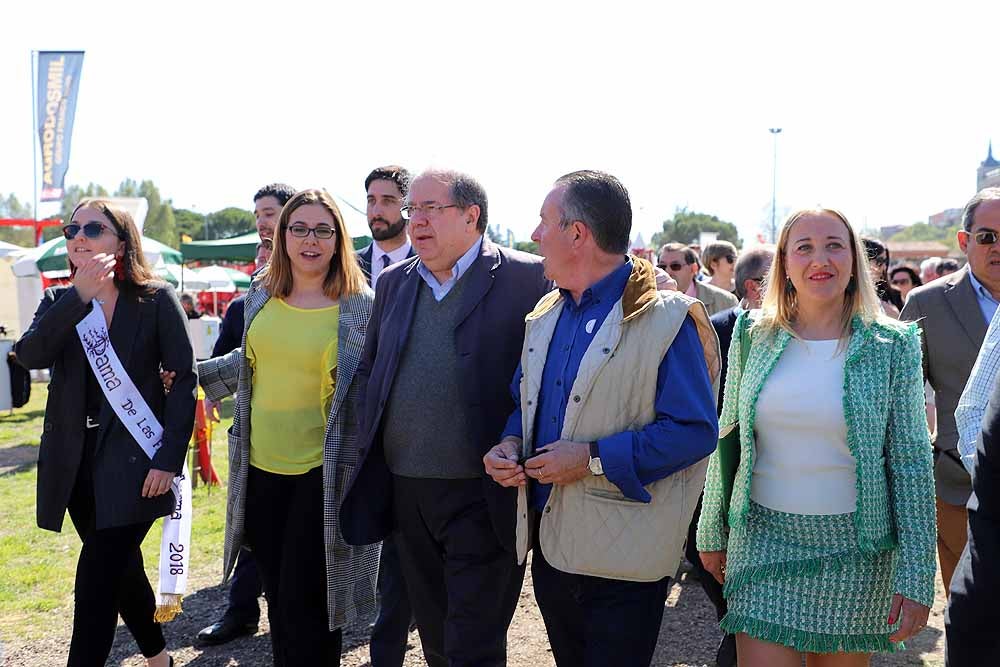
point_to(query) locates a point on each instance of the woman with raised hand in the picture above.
(114, 327)
(828, 547)
(293, 443)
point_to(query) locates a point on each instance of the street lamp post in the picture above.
(775, 131)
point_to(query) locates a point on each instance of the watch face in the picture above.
(595, 466)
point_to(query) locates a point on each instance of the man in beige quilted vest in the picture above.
(616, 393)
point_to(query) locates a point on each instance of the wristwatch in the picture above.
(595, 460)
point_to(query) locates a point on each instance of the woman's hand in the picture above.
(93, 275)
(157, 483)
(914, 617)
(715, 563)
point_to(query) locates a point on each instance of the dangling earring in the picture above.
(119, 270)
(789, 287)
(852, 286)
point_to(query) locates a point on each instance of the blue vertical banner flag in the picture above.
(57, 88)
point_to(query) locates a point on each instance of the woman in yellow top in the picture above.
(293, 443)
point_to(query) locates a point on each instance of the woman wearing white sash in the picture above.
(88, 462)
(293, 444)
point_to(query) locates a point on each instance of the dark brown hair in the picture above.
(135, 272)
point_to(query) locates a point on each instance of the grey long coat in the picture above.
(351, 571)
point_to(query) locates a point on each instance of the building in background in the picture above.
(988, 174)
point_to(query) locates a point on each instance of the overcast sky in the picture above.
(886, 109)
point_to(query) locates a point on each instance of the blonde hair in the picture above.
(780, 304)
(343, 277)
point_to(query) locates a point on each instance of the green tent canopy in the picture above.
(237, 249)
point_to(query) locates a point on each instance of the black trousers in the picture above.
(392, 627)
(971, 618)
(462, 583)
(284, 528)
(595, 622)
(110, 579)
(244, 589)
(726, 653)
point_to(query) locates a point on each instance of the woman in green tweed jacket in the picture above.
(828, 547)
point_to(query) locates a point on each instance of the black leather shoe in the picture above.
(224, 631)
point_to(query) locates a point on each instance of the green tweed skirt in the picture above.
(800, 581)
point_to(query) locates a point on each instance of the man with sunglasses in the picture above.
(441, 347)
(242, 615)
(681, 262)
(953, 313)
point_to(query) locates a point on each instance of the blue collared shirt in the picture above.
(685, 429)
(461, 266)
(987, 304)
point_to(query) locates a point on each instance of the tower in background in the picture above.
(988, 174)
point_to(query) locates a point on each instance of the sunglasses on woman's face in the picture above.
(91, 230)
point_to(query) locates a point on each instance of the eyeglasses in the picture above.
(428, 210)
(91, 230)
(319, 231)
(674, 266)
(986, 237)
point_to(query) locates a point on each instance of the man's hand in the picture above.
(914, 617)
(501, 463)
(560, 462)
(157, 483)
(212, 412)
(167, 378)
(715, 563)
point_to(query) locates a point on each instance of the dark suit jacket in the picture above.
(952, 328)
(724, 323)
(973, 616)
(503, 286)
(364, 257)
(231, 331)
(147, 330)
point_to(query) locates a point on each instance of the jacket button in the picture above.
(48, 427)
(576, 399)
(606, 350)
(548, 509)
(131, 459)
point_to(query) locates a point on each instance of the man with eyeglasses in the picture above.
(242, 614)
(385, 188)
(953, 313)
(442, 344)
(681, 262)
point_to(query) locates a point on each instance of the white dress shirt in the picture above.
(397, 255)
(972, 404)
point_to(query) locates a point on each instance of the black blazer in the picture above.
(364, 257)
(231, 330)
(973, 616)
(147, 331)
(503, 286)
(724, 323)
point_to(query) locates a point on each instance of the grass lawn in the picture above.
(38, 566)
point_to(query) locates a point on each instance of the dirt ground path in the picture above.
(688, 637)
